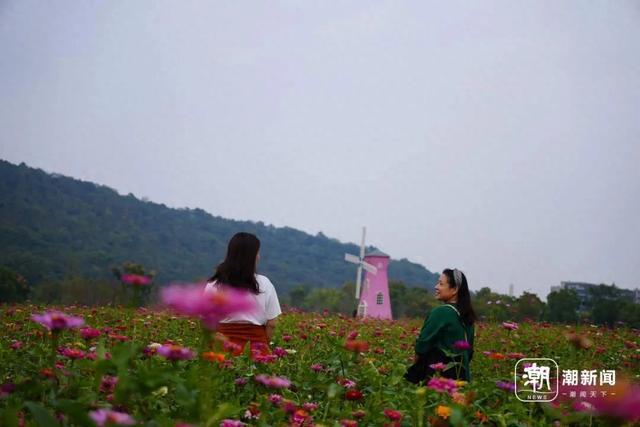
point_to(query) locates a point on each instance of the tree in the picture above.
(563, 306)
(13, 287)
(528, 305)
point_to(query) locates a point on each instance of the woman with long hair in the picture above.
(238, 270)
(447, 335)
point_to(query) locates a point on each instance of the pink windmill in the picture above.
(373, 297)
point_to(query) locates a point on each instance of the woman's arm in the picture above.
(270, 326)
(430, 331)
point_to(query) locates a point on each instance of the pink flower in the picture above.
(108, 384)
(175, 352)
(317, 367)
(56, 321)
(512, 326)
(72, 353)
(287, 338)
(280, 352)
(276, 399)
(461, 345)
(438, 366)
(442, 385)
(89, 333)
(240, 381)
(231, 423)
(348, 423)
(136, 279)
(210, 307)
(15, 345)
(273, 382)
(107, 417)
(310, 406)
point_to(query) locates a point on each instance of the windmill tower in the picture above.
(373, 297)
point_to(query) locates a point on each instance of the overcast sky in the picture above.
(502, 138)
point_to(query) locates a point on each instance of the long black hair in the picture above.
(239, 266)
(464, 297)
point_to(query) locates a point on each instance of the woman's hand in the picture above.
(270, 327)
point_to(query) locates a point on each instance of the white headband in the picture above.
(457, 277)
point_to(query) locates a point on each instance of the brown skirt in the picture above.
(243, 333)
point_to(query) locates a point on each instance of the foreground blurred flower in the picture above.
(175, 352)
(624, 405)
(106, 417)
(209, 307)
(57, 321)
(579, 341)
(273, 382)
(135, 279)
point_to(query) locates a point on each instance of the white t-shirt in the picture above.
(267, 304)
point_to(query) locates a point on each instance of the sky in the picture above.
(498, 137)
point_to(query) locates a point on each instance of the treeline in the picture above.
(606, 304)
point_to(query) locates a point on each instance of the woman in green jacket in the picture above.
(448, 332)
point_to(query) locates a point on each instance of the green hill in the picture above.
(52, 226)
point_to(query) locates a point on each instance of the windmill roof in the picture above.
(377, 253)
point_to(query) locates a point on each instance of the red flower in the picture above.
(392, 414)
(353, 395)
(356, 346)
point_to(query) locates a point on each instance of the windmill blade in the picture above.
(358, 281)
(370, 268)
(352, 258)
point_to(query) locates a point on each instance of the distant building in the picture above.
(582, 290)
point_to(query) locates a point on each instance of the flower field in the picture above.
(124, 366)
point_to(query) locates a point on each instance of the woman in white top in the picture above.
(238, 270)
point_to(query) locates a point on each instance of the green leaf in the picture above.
(42, 417)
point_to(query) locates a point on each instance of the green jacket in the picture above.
(441, 329)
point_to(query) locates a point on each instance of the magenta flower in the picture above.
(442, 385)
(624, 406)
(273, 382)
(231, 423)
(175, 352)
(89, 333)
(438, 366)
(506, 386)
(461, 345)
(512, 326)
(56, 321)
(317, 367)
(136, 279)
(210, 307)
(105, 417)
(15, 345)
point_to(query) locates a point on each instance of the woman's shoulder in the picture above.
(264, 282)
